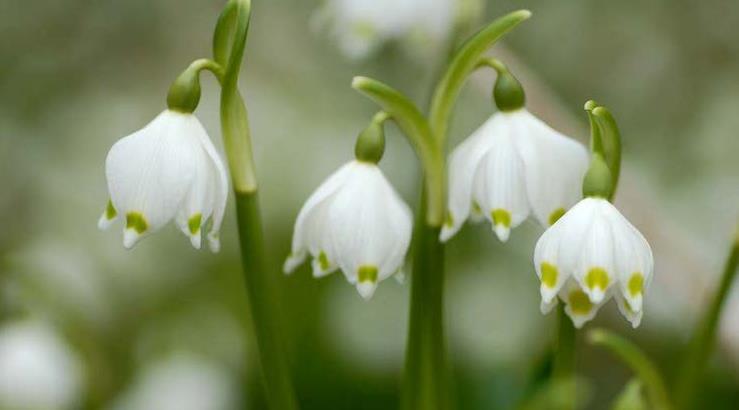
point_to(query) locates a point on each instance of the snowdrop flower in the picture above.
(512, 166)
(355, 221)
(589, 255)
(167, 170)
(37, 369)
(361, 27)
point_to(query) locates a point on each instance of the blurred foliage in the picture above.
(75, 75)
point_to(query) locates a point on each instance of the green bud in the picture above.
(184, 93)
(598, 180)
(370, 144)
(508, 92)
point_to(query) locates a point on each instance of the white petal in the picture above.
(550, 271)
(633, 259)
(130, 237)
(197, 205)
(150, 171)
(596, 270)
(546, 307)
(108, 216)
(463, 163)
(304, 236)
(574, 226)
(499, 186)
(218, 183)
(370, 226)
(293, 261)
(366, 289)
(555, 166)
(632, 315)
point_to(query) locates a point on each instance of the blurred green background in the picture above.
(166, 324)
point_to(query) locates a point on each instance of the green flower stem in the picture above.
(703, 341)
(463, 63)
(229, 42)
(426, 375)
(563, 371)
(228, 50)
(265, 312)
(638, 362)
(426, 378)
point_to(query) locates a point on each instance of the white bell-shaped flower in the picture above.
(354, 221)
(589, 255)
(167, 170)
(513, 165)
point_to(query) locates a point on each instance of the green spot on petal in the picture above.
(476, 208)
(367, 274)
(501, 217)
(137, 222)
(110, 211)
(449, 219)
(579, 302)
(597, 278)
(636, 284)
(323, 261)
(549, 274)
(193, 224)
(554, 216)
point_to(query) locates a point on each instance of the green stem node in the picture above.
(508, 93)
(370, 145)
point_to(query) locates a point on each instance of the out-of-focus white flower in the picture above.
(361, 26)
(355, 221)
(514, 164)
(37, 369)
(589, 255)
(181, 382)
(167, 170)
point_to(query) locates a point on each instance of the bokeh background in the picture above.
(86, 324)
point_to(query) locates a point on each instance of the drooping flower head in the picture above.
(589, 255)
(168, 170)
(512, 166)
(593, 253)
(355, 221)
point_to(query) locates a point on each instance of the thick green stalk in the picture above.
(705, 335)
(644, 369)
(425, 384)
(563, 371)
(265, 313)
(228, 49)
(426, 374)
